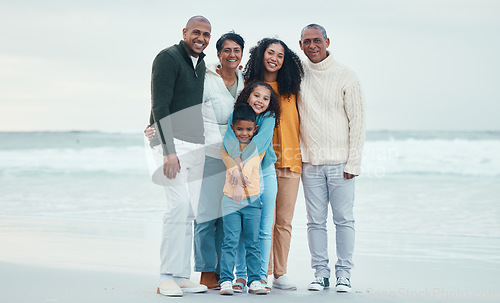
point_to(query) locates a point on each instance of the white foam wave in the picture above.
(456, 157)
(103, 159)
(437, 156)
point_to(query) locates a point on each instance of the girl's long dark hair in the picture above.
(290, 74)
(274, 106)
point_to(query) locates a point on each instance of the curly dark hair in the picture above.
(274, 105)
(290, 74)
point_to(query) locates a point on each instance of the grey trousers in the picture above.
(325, 185)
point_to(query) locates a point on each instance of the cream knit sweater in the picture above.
(330, 103)
(218, 105)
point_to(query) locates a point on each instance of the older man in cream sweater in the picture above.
(331, 135)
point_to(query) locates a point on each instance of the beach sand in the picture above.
(69, 260)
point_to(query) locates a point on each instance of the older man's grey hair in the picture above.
(314, 25)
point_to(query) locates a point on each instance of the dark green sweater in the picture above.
(176, 97)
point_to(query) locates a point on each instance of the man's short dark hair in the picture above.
(244, 112)
(197, 18)
(229, 36)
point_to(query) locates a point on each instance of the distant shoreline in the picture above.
(370, 134)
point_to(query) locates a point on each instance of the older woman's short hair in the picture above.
(229, 36)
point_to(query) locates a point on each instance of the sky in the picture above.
(86, 65)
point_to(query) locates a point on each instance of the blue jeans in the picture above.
(241, 225)
(208, 232)
(269, 188)
(324, 185)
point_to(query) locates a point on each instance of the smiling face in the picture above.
(314, 45)
(259, 99)
(196, 35)
(230, 55)
(244, 130)
(274, 56)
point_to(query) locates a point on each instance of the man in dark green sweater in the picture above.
(176, 97)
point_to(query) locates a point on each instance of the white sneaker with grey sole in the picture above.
(257, 288)
(283, 282)
(226, 288)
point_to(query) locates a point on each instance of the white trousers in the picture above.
(182, 196)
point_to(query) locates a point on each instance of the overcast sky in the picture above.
(86, 65)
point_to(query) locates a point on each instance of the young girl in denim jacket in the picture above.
(263, 100)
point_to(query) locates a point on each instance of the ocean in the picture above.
(412, 182)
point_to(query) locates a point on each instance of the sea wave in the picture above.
(455, 157)
(67, 160)
(461, 157)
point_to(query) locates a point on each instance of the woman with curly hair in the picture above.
(272, 62)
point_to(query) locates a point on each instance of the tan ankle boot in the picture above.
(209, 280)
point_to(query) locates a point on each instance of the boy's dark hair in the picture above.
(244, 112)
(230, 36)
(274, 105)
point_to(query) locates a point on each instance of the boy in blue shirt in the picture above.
(241, 206)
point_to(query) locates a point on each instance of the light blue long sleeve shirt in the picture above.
(261, 142)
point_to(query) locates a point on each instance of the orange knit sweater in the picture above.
(286, 135)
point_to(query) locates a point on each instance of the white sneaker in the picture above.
(343, 284)
(318, 284)
(257, 288)
(189, 286)
(226, 288)
(169, 288)
(284, 282)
